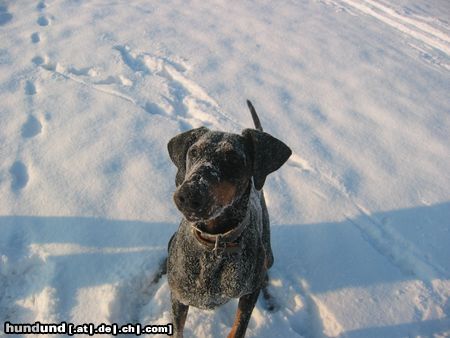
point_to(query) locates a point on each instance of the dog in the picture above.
(222, 248)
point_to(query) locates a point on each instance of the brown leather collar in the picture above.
(228, 242)
(217, 245)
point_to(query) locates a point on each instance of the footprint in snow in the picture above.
(30, 88)
(153, 108)
(35, 38)
(41, 5)
(31, 127)
(38, 60)
(5, 16)
(19, 174)
(43, 21)
(134, 294)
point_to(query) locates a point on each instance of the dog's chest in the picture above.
(201, 278)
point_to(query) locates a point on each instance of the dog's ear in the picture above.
(178, 147)
(268, 154)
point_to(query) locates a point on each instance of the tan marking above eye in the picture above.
(224, 192)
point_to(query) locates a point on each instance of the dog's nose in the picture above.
(179, 199)
(186, 199)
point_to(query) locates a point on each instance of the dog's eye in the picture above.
(232, 159)
(193, 152)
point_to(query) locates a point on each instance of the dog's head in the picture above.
(215, 168)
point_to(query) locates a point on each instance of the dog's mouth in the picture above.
(203, 215)
(206, 212)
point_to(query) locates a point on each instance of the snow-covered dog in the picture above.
(222, 248)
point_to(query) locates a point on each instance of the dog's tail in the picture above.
(255, 117)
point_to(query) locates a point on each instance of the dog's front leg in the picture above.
(179, 311)
(243, 314)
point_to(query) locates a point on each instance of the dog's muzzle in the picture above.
(194, 198)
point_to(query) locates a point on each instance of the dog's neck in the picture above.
(230, 218)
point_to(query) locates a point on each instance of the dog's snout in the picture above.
(190, 199)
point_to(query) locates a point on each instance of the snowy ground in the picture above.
(91, 91)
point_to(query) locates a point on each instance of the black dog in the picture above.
(222, 248)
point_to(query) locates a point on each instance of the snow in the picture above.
(91, 92)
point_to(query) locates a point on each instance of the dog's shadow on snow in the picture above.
(69, 257)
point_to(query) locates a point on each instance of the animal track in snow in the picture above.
(35, 38)
(30, 88)
(153, 108)
(185, 101)
(180, 98)
(415, 29)
(43, 21)
(131, 60)
(382, 237)
(41, 5)
(427, 55)
(93, 73)
(401, 252)
(31, 127)
(19, 174)
(5, 16)
(38, 60)
(135, 293)
(302, 311)
(86, 71)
